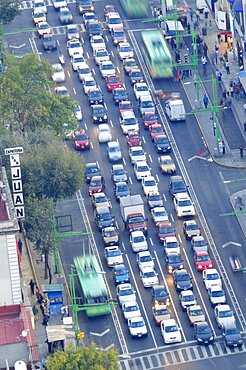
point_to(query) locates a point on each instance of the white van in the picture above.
(175, 110)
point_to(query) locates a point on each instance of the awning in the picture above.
(237, 6)
(242, 77)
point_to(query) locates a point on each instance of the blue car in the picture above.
(120, 274)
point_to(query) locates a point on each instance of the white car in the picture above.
(97, 42)
(141, 89)
(107, 69)
(101, 55)
(224, 315)
(74, 47)
(40, 6)
(84, 71)
(216, 295)
(125, 50)
(141, 170)
(138, 241)
(187, 299)
(195, 314)
(211, 277)
(183, 205)
(62, 91)
(79, 113)
(171, 245)
(78, 61)
(72, 31)
(128, 122)
(170, 331)
(113, 256)
(159, 214)
(59, 4)
(113, 20)
(149, 277)
(88, 17)
(149, 184)
(58, 74)
(88, 82)
(130, 310)
(137, 327)
(104, 133)
(125, 293)
(137, 154)
(144, 259)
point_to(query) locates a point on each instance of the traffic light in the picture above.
(80, 335)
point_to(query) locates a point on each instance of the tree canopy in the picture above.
(9, 9)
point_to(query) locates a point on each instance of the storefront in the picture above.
(54, 293)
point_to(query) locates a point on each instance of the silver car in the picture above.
(65, 16)
(121, 189)
(146, 104)
(114, 151)
(118, 173)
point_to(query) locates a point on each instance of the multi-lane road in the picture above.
(206, 187)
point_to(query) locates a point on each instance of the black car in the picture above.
(94, 28)
(203, 333)
(95, 96)
(84, 6)
(91, 169)
(182, 280)
(119, 94)
(162, 144)
(136, 76)
(160, 295)
(99, 113)
(174, 262)
(177, 185)
(232, 336)
(49, 42)
(103, 217)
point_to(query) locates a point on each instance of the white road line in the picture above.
(68, 73)
(82, 40)
(130, 180)
(171, 216)
(86, 128)
(116, 225)
(151, 241)
(93, 71)
(118, 69)
(112, 53)
(164, 197)
(143, 140)
(105, 105)
(58, 42)
(106, 37)
(123, 246)
(111, 123)
(150, 158)
(157, 178)
(179, 238)
(124, 161)
(74, 91)
(92, 146)
(87, 55)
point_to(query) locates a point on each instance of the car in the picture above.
(58, 74)
(216, 295)
(136, 154)
(121, 189)
(38, 16)
(160, 295)
(162, 144)
(43, 28)
(128, 121)
(129, 65)
(104, 133)
(113, 20)
(203, 333)
(78, 113)
(130, 310)
(97, 42)
(62, 91)
(149, 118)
(144, 259)
(125, 293)
(164, 230)
(195, 314)
(74, 46)
(88, 83)
(141, 89)
(177, 185)
(232, 336)
(109, 9)
(85, 7)
(120, 274)
(174, 262)
(170, 331)
(182, 280)
(118, 173)
(224, 315)
(154, 199)
(49, 42)
(187, 299)
(183, 205)
(87, 16)
(59, 4)
(118, 35)
(125, 50)
(145, 104)
(149, 184)
(77, 61)
(190, 229)
(149, 277)
(65, 15)
(135, 76)
(97, 184)
(199, 244)
(202, 261)
(95, 97)
(138, 241)
(133, 138)
(113, 82)
(72, 32)
(101, 55)
(119, 94)
(91, 169)
(81, 140)
(211, 277)
(159, 214)
(141, 169)
(39, 5)
(156, 130)
(100, 200)
(98, 111)
(166, 164)
(137, 327)
(114, 151)
(113, 255)
(110, 236)
(160, 312)
(125, 105)
(103, 217)
(107, 69)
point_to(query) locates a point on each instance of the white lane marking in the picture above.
(171, 216)
(93, 71)
(143, 140)
(87, 55)
(92, 146)
(82, 40)
(157, 178)
(112, 53)
(150, 158)
(68, 73)
(105, 106)
(179, 238)
(74, 91)
(58, 42)
(130, 180)
(85, 126)
(106, 37)
(151, 241)
(118, 69)
(116, 225)
(111, 123)
(164, 197)
(124, 161)
(123, 246)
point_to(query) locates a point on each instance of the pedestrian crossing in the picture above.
(176, 355)
(29, 4)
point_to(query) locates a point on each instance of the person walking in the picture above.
(191, 13)
(204, 64)
(197, 15)
(227, 67)
(205, 101)
(218, 74)
(32, 285)
(20, 244)
(205, 49)
(219, 37)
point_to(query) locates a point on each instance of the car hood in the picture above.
(184, 284)
(233, 337)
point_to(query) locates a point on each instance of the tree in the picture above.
(84, 358)
(9, 9)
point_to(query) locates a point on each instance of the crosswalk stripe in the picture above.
(29, 4)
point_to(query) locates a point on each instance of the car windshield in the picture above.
(57, 68)
(95, 94)
(151, 117)
(95, 183)
(102, 53)
(178, 185)
(147, 104)
(43, 26)
(160, 293)
(228, 313)
(204, 330)
(143, 168)
(149, 274)
(214, 276)
(154, 197)
(90, 170)
(119, 34)
(200, 243)
(88, 83)
(173, 259)
(203, 258)
(131, 63)
(113, 80)
(167, 230)
(145, 259)
(78, 59)
(126, 106)
(119, 171)
(101, 199)
(105, 216)
(136, 74)
(80, 137)
(107, 66)
(171, 329)
(137, 324)
(197, 312)
(114, 253)
(121, 272)
(183, 277)
(162, 140)
(149, 183)
(192, 227)
(131, 308)
(119, 92)
(72, 30)
(218, 293)
(130, 121)
(142, 88)
(125, 48)
(48, 38)
(232, 331)
(125, 292)
(97, 41)
(122, 188)
(157, 129)
(139, 239)
(94, 27)
(184, 203)
(114, 21)
(75, 45)
(114, 150)
(161, 312)
(137, 152)
(65, 12)
(166, 161)
(188, 298)
(98, 110)
(160, 214)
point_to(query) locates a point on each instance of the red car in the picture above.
(156, 130)
(202, 261)
(81, 140)
(96, 185)
(164, 229)
(113, 82)
(149, 118)
(109, 9)
(125, 105)
(133, 138)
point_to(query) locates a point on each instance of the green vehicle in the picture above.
(93, 287)
(157, 55)
(135, 8)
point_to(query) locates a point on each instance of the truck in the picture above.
(175, 109)
(133, 214)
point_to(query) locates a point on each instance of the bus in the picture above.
(135, 8)
(156, 54)
(93, 287)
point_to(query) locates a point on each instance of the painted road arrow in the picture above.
(233, 243)
(17, 47)
(100, 334)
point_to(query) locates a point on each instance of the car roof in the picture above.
(171, 239)
(181, 272)
(98, 195)
(113, 144)
(223, 307)
(130, 304)
(181, 196)
(144, 253)
(147, 269)
(169, 322)
(159, 209)
(137, 232)
(187, 292)
(102, 209)
(211, 271)
(125, 286)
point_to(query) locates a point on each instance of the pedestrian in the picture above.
(224, 94)
(205, 49)
(206, 12)
(20, 244)
(49, 344)
(188, 28)
(218, 74)
(197, 15)
(195, 24)
(32, 285)
(205, 101)
(227, 67)
(172, 43)
(240, 147)
(221, 104)
(191, 13)
(244, 107)
(223, 147)
(204, 64)
(219, 37)
(178, 76)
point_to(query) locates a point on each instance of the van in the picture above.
(175, 110)
(201, 5)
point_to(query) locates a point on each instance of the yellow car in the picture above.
(38, 16)
(166, 164)
(43, 28)
(100, 200)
